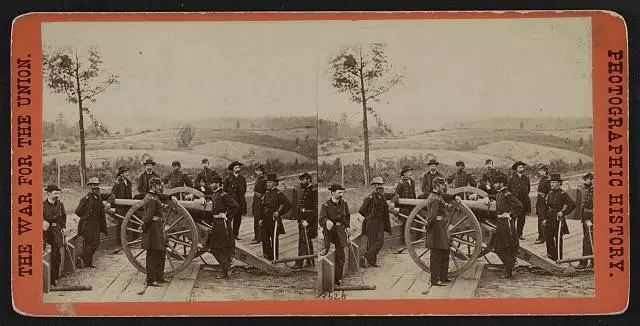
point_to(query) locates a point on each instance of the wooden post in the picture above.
(46, 276)
(326, 273)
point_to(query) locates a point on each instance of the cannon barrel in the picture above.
(189, 205)
(478, 207)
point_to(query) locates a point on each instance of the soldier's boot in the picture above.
(582, 264)
(225, 274)
(308, 263)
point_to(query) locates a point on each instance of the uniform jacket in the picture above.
(506, 234)
(462, 179)
(406, 188)
(57, 218)
(543, 189)
(259, 189)
(558, 201)
(236, 186)
(153, 231)
(177, 179)
(206, 175)
(486, 184)
(427, 184)
(91, 212)
(222, 232)
(587, 204)
(437, 237)
(308, 209)
(274, 201)
(143, 181)
(375, 211)
(337, 213)
(122, 188)
(520, 186)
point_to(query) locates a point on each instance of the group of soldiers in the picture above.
(228, 206)
(510, 193)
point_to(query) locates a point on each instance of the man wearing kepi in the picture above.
(307, 220)
(236, 185)
(505, 239)
(143, 179)
(437, 235)
(519, 185)
(487, 178)
(406, 189)
(587, 222)
(274, 205)
(376, 221)
(153, 237)
(335, 221)
(54, 223)
(177, 178)
(543, 189)
(256, 205)
(204, 177)
(92, 221)
(559, 205)
(461, 178)
(121, 190)
(221, 241)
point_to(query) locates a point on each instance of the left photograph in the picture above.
(179, 163)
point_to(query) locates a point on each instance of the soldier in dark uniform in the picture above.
(437, 235)
(54, 223)
(221, 241)
(335, 220)
(461, 178)
(543, 189)
(486, 181)
(505, 239)
(92, 221)
(204, 177)
(153, 237)
(406, 188)
(587, 222)
(520, 186)
(274, 205)
(307, 220)
(376, 222)
(143, 179)
(427, 178)
(256, 206)
(559, 205)
(236, 185)
(177, 178)
(121, 190)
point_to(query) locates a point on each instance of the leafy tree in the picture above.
(364, 72)
(185, 136)
(80, 78)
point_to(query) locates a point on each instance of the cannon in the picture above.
(186, 232)
(471, 226)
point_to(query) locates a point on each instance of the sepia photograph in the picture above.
(179, 162)
(455, 159)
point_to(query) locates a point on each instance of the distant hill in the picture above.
(527, 123)
(274, 123)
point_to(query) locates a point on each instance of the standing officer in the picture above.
(307, 220)
(335, 220)
(236, 185)
(461, 178)
(437, 235)
(519, 185)
(177, 178)
(543, 189)
(143, 179)
(559, 205)
(153, 237)
(205, 176)
(221, 241)
(406, 189)
(505, 239)
(55, 221)
(121, 190)
(274, 205)
(427, 178)
(256, 205)
(487, 178)
(587, 222)
(376, 221)
(92, 221)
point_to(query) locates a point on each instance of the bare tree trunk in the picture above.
(365, 126)
(83, 163)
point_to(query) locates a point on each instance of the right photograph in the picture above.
(455, 159)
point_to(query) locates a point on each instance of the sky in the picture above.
(453, 69)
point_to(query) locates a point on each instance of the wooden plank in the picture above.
(46, 276)
(421, 284)
(137, 284)
(465, 285)
(326, 273)
(118, 285)
(245, 255)
(406, 280)
(181, 286)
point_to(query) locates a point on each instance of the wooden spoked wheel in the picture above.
(182, 192)
(465, 244)
(180, 233)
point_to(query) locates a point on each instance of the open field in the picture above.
(531, 153)
(444, 156)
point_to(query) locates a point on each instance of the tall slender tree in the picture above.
(364, 72)
(80, 78)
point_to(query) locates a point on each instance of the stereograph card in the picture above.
(320, 164)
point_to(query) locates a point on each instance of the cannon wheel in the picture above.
(463, 228)
(181, 237)
(180, 192)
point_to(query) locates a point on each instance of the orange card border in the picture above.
(609, 38)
